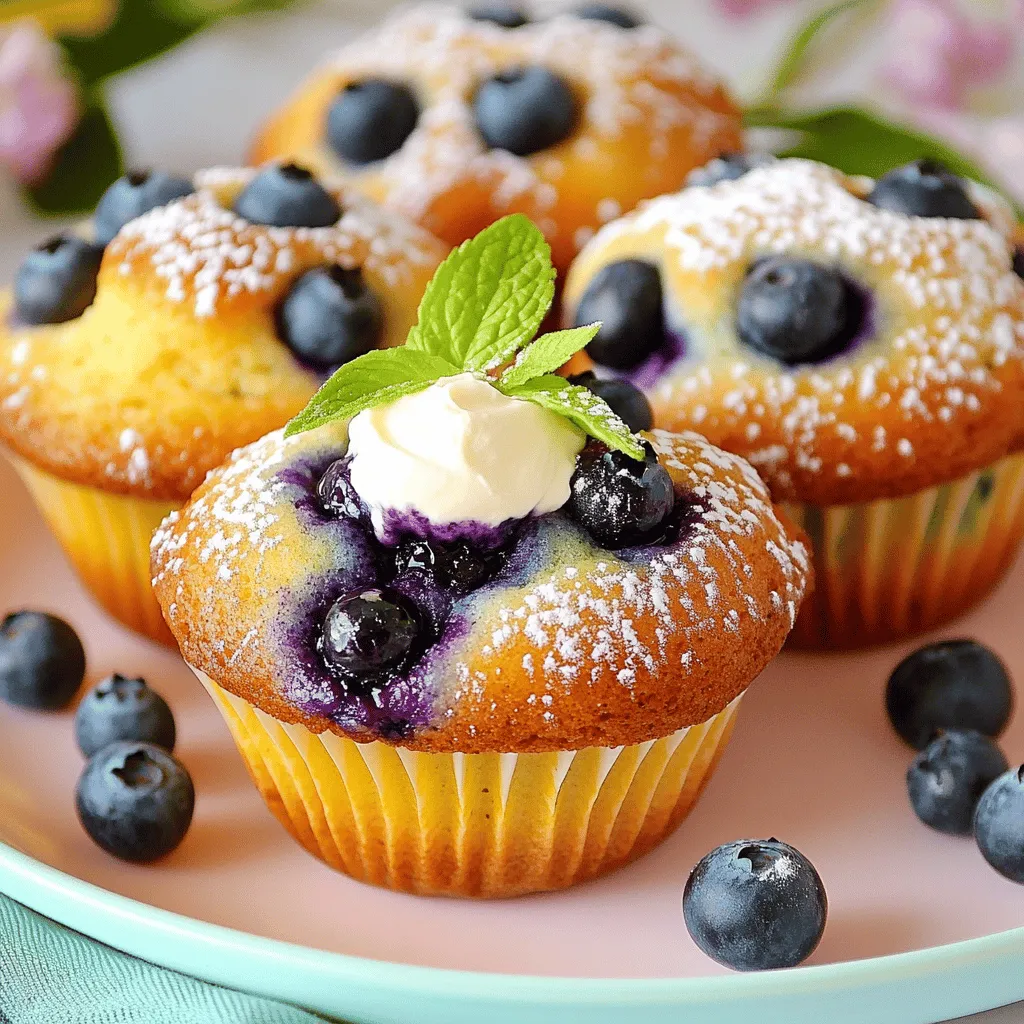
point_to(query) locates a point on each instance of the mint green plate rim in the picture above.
(919, 987)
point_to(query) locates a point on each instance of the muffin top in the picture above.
(192, 343)
(854, 339)
(455, 120)
(438, 557)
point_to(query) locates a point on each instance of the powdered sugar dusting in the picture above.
(605, 615)
(209, 257)
(945, 330)
(640, 77)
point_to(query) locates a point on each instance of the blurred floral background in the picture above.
(862, 83)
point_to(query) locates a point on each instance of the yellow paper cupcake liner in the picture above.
(889, 569)
(106, 538)
(483, 825)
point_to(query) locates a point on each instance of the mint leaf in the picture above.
(548, 353)
(582, 407)
(373, 379)
(488, 298)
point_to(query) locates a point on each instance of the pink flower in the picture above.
(745, 8)
(38, 103)
(936, 54)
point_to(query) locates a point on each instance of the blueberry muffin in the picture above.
(860, 342)
(197, 316)
(464, 646)
(454, 118)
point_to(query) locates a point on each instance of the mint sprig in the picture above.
(482, 307)
(488, 297)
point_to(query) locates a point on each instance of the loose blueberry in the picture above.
(923, 189)
(605, 12)
(123, 709)
(627, 402)
(56, 281)
(626, 298)
(336, 493)
(727, 167)
(131, 196)
(287, 196)
(999, 824)
(329, 317)
(135, 801)
(525, 110)
(953, 684)
(505, 15)
(945, 781)
(369, 632)
(796, 311)
(1018, 262)
(755, 905)
(458, 566)
(619, 501)
(371, 119)
(42, 662)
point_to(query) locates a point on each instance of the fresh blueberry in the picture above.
(42, 662)
(626, 298)
(505, 15)
(369, 632)
(458, 566)
(525, 110)
(627, 402)
(953, 684)
(1018, 261)
(336, 493)
(56, 281)
(287, 196)
(371, 119)
(131, 196)
(619, 501)
(329, 317)
(796, 311)
(727, 167)
(945, 781)
(923, 189)
(606, 12)
(135, 800)
(755, 905)
(999, 824)
(123, 709)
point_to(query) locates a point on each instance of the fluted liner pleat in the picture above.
(483, 825)
(894, 568)
(106, 538)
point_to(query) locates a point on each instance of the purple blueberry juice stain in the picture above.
(397, 525)
(404, 701)
(671, 351)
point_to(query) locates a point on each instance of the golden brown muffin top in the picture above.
(931, 390)
(177, 361)
(569, 646)
(648, 113)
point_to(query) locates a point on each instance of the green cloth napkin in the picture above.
(52, 975)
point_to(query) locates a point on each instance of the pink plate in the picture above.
(813, 762)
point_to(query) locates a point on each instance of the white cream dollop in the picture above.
(461, 451)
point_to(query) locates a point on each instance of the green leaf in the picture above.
(548, 353)
(792, 60)
(372, 379)
(140, 31)
(583, 407)
(488, 298)
(82, 168)
(859, 141)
